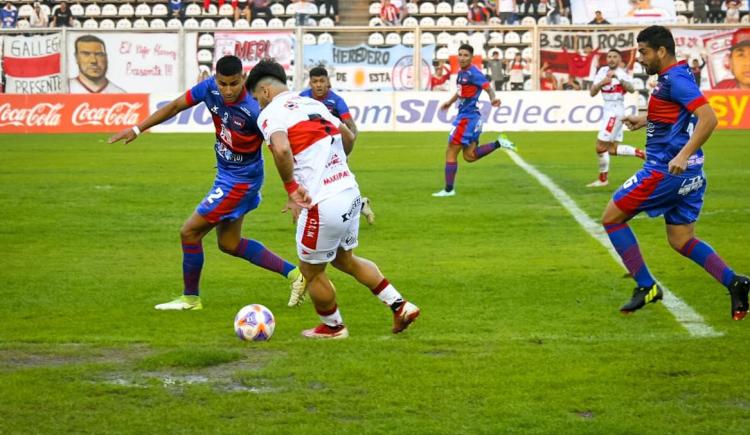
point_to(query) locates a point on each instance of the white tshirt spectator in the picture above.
(39, 17)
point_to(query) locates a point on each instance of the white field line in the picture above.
(685, 315)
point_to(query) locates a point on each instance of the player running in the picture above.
(320, 89)
(236, 189)
(672, 182)
(613, 81)
(467, 126)
(310, 148)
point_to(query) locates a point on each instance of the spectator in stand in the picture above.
(506, 11)
(9, 16)
(478, 13)
(441, 77)
(582, 66)
(497, 71)
(554, 11)
(389, 13)
(598, 19)
(305, 9)
(733, 13)
(547, 81)
(571, 84)
(177, 9)
(38, 18)
(715, 14)
(62, 17)
(527, 6)
(516, 67)
(260, 8)
(242, 9)
(332, 9)
(697, 69)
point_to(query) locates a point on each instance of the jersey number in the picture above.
(690, 129)
(630, 181)
(218, 193)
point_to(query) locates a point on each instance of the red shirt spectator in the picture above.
(389, 13)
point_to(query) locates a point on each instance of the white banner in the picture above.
(251, 47)
(122, 62)
(32, 64)
(419, 111)
(624, 11)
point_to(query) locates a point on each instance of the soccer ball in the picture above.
(254, 323)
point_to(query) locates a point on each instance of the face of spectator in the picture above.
(63, 6)
(230, 86)
(319, 86)
(644, 4)
(598, 16)
(739, 63)
(92, 59)
(613, 60)
(464, 58)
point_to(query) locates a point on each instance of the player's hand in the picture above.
(301, 198)
(128, 134)
(607, 80)
(292, 207)
(677, 165)
(445, 106)
(495, 102)
(634, 122)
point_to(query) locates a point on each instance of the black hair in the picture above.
(88, 38)
(657, 36)
(467, 47)
(265, 68)
(229, 66)
(318, 71)
(614, 50)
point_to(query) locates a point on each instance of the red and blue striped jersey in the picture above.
(670, 117)
(238, 139)
(470, 83)
(333, 102)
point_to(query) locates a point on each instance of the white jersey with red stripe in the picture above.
(614, 92)
(319, 158)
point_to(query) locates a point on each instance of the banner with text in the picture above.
(365, 68)
(719, 54)
(624, 11)
(122, 62)
(32, 64)
(251, 47)
(81, 113)
(731, 107)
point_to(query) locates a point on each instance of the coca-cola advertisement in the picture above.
(32, 64)
(97, 113)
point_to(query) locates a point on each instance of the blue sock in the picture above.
(450, 175)
(623, 240)
(705, 256)
(483, 150)
(192, 264)
(259, 255)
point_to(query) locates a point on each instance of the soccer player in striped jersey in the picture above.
(320, 89)
(672, 183)
(467, 127)
(613, 82)
(236, 189)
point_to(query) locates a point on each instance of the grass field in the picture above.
(519, 331)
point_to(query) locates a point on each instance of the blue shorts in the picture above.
(678, 198)
(230, 199)
(466, 130)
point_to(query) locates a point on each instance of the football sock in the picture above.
(192, 264)
(331, 317)
(705, 256)
(625, 150)
(625, 244)
(483, 150)
(259, 255)
(603, 165)
(450, 175)
(388, 294)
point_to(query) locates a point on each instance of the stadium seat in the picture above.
(412, 8)
(107, 23)
(191, 23)
(326, 22)
(322, 9)
(443, 53)
(291, 9)
(376, 21)
(392, 38)
(204, 56)
(477, 40)
(690, 6)
(527, 85)
(495, 21)
(510, 53)
(46, 9)
(290, 22)
(212, 11)
(527, 37)
(495, 38)
(90, 24)
(143, 10)
(206, 40)
(444, 22)
(275, 22)
(25, 11)
(375, 39)
(427, 21)
(159, 10)
(209, 23)
(76, 23)
(109, 10)
(460, 38)
(528, 21)
(512, 38)
(527, 53)
(745, 19)
(174, 23)
(226, 10)
(224, 23)
(123, 23)
(125, 10)
(374, 9)
(444, 38)
(427, 38)
(682, 19)
(680, 6)
(325, 38)
(309, 39)
(192, 10)
(140, 23)
(426, 8)
(277, 9)
(23, 24)
(542, 21)
(460, 8)
(443, 8)
(311, 22)
(242, 24)
(92, 10)
(461, 22)
(258, 22)
(76, 10)
(408, 38)
(564, 21)
(410, 22)
(157, 23)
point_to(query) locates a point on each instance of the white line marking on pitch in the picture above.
(685, 315)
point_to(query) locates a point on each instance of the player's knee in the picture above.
(677, 242)
(228, 246)
(602, 147)
(189, 235)
(470, 156)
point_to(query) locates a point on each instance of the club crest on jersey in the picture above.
(291, 105)
(238, 121)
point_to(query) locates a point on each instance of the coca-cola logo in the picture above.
(116, 114)
(41, 115)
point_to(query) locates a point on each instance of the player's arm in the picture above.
(704, 126)
(352, 126)
(596, 87)
(347, 137)
(166, 112)
(491, 92)
(447, 105)
(282, 157)
(634, 122)
(626, 81)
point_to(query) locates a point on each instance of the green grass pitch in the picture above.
(519, 331)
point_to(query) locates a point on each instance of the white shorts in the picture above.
(330, 224)
(611, 126)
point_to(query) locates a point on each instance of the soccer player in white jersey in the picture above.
(310, 148)
(612, 81)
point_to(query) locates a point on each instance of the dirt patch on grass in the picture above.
(29, 356)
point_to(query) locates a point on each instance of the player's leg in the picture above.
(324, 299)
(367, 211)
(451, 168)
(604, 140)
(616, 147)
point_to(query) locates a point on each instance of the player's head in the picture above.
(266, 80)
(614, 58)
(91, 57)
(319, 82)
(739, 58)
(655, 48)
(465, 53)
(229, 78)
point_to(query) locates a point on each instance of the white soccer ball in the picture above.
(254, 323)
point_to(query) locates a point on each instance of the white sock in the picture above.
(625, 150)
(388, 295)
(332, 320)
(604, 162)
